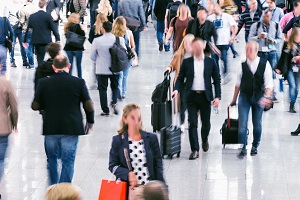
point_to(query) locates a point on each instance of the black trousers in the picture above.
(198, 102)
(40, 51)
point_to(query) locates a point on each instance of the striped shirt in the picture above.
(245, 18)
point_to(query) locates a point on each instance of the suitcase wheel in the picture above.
(178, 155)
(224, 146)
(170, 156)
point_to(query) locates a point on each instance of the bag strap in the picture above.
(228, 116)
(117, 40)
(127, 156)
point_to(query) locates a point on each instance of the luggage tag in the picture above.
(264, 49)
(295, 69)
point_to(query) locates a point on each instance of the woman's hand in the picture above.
(277, 71)
(168, 69)
(132, 179)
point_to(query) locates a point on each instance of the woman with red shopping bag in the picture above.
(135, 155)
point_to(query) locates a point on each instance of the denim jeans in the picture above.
(293, 80)
(123, 81)
(29, 50)
(232, 49)
(3, 59)
(102, 87)
(245, 103)
(224, 50)
(160, 31)
(246, 36)
(78, 56)
(3, 149)
(18, 34)
(136, 36)
(271, 57)
(66, 146)
(93, 15)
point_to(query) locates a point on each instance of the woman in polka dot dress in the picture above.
(142, 147)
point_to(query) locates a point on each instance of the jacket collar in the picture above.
(145, 137)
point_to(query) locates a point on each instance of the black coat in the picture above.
(285, 62)
(43, 70)
(211, 72)
(160, 9)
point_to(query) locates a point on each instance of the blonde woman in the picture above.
(120, 30)
(288, 65)
(105, 8)
(184, 51)
(63, 191)
(178, 26)
(95, 30)
(72, 51)
(142, 147)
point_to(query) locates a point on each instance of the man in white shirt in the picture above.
(226, 29)
(254, 88)
(195, 77)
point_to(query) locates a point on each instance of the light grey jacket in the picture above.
(100, 52)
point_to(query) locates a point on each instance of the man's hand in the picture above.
(216, 102)
(261, 36)
(174, 94)
(145, 28)
(270, 41)
(15, 129)
(25, 45)
(265, 102)
(233, 103)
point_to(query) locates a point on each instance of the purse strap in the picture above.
(127, 156)
(228, 116)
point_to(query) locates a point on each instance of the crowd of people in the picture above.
(201, 37)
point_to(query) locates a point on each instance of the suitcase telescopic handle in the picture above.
(228, 116)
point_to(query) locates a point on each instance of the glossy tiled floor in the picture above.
(273, 174)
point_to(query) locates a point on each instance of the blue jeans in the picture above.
(18, 34)
(29, 50)
(66, 146)
(93, 15)
(3, 56)
(224, 50)
(245, 103)
(78, 56)
(293, 80)
(246, 36)
(160, 31)
(272, 58)
(3, 148)
(102, 87)
(123, 81)
(136, 36)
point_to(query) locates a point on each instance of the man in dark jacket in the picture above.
(41, 24)
(9, 32)
(93, 5)
(45, 69)
(53, 8)
(202, 28)
(60, 97)
(160, 11)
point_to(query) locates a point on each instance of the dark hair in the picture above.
(267, 11)
(53, 49)
(202, 8)
(273, 1)
(60, 61)
(296, 2)
(107, 26)
(156, 190)
(42, 3)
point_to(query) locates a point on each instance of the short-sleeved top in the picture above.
(179, 29)
(138, 161)
(223, 27)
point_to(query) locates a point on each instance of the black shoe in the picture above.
(242, 154)
(253, 151)
(292, 108)
(296, 132)
(104, 114)
(161, 46)
(25, 64)
(13, 65)
(194, 155)
(205, 146)
(167, 50)
(116, 111)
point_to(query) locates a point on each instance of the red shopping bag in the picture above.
(112, 190)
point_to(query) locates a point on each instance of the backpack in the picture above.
(172, 11)
(258, 24)
(160, 93)
(119, 59)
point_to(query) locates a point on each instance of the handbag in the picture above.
(115, 190)
(136, 193)
(132, 23)
(8, 40)
(74, 39)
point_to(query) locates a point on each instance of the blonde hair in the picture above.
(63, 191)
(105, 8)
(119, 27)
(189, 15)
(99, 21)
(74, 18)
(291, 44)
(128, 108)
(181, 49)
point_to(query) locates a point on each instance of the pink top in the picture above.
(285, 20)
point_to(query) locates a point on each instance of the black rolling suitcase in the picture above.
(161, 108)
(229, 130)
(170, 141)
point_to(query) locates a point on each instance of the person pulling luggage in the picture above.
(199, 71)
(254, 88)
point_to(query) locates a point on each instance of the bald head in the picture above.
(61, 62)
(156, 190)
